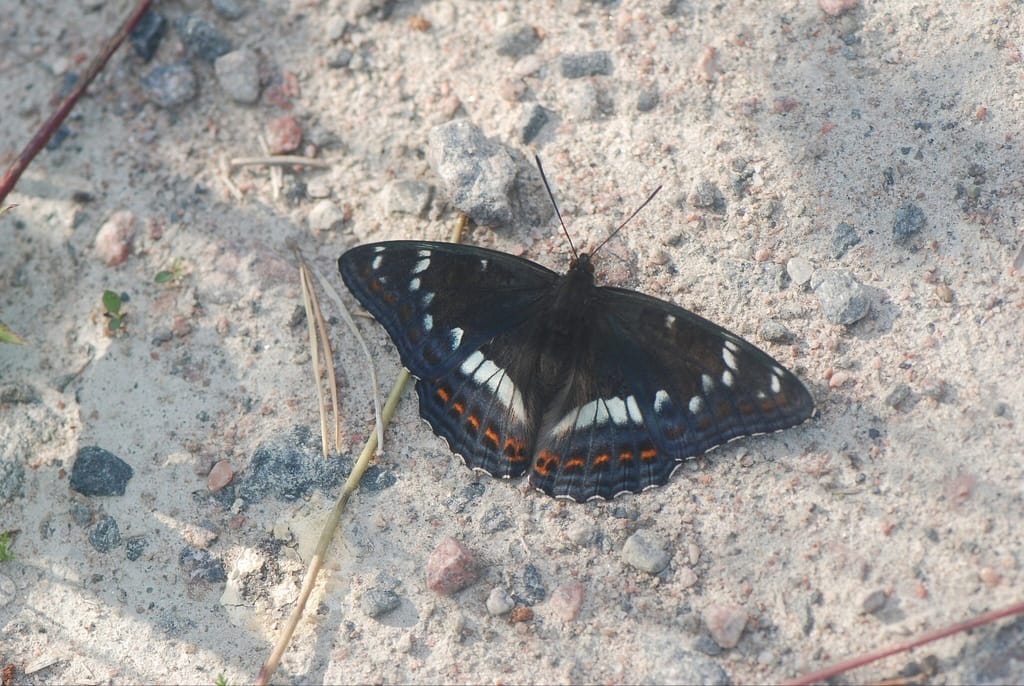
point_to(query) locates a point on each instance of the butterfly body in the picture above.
(592, 391)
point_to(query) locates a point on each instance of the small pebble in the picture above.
(495, 520)
(134, 547)
(20, 393)
(325, 216)
(580, 64)
(201, 565)
(843, 238)
(775, 331)
(170, 85)
(834, 8)
(839, 378)
(646, 552)
(648, 99)
(476, 172)
(201, 37)
(220, 476)
(451, 568)
(518, 40)
(378, 601)
(725, 623)
(98, 472)
(799, 270)
(105, 536)
(944, 293)
(283, 135)
(873, 603)
(843, 299)
(499, 602)
(686, 578)
(909, 220)
(532, 120)
(581, 102)
(989, 577)
(114, 239)
(705, 195)
(147, 34)
(238, 75)
(897, 395)
(534, 590)
(520, 614)
(12, 480)
(566, 600)
(581, 533)
(229, 9)
(408, 197)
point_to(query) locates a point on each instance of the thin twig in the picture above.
(46, 131)
(926, 637)
(270, 160)
(314, 351)
(332, 380)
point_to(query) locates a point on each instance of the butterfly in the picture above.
(593, 391)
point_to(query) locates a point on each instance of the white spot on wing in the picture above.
(414, 285)
(470, 364)
(728, 357)
(617, 411)
(634, 410)
(660, 400)
(670, 321)
(776, 383)
(696, 404)
(731, 345)
(378, 249)
(484, 264)
(727, 378)
(428, 322)
(427, 299)
(424, 253)
(421, 265)
(456, 337)
(377, 261)
(707, 383)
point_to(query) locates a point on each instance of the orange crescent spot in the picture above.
(457, 407)
(648, 454)
(575, 463)
(473, 422)
(601, 460)
(443, 395)
(376, 286)
(491, 436)
(625, 456)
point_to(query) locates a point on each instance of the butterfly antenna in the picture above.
(554, 204)
(628, 219)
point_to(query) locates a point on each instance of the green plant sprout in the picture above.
(174, 273)
(5, 553)
(112, 304)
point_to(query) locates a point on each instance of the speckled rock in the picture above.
(645, 551)
(843, 298)
(98, 472)
(725, 623)
(476, 172)
(451, 568)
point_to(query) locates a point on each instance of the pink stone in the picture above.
(451, 568)
(114, 239)
(566, 600)
(283, 135)
(220, 476)
(725, 623)
(834, 8)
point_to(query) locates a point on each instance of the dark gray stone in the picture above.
(909, 220)
(378, 601)
(134, 547)
(80, 513)
(843, 238)
(408, 197)
(201, 38)
(229, 9)
(775, 331)
(580, 64)
(376, 479)
(533, 587)
(648, 99)
(518, 40)
(843, 299)
(170, 85)
(461, 500)
(238, 75)
(105, 536)
(201, 565)
(494, 520)
(99, 472)
(147, 34)
(706, 196)
(289, 465)
(12, 480)
(19, 394)
(476, 172)
(531, 122)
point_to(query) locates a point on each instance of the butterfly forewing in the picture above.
(454, 312)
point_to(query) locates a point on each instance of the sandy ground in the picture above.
(865, 526)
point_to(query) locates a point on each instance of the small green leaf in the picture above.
(8, 336)
(114, 324)
(164, 277)
(5, 554)
(111, 302)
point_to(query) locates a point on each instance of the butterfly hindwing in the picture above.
(669, 385)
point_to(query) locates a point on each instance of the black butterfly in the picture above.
(594, 391)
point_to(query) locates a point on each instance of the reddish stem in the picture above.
(46, 131)
(927, 637)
